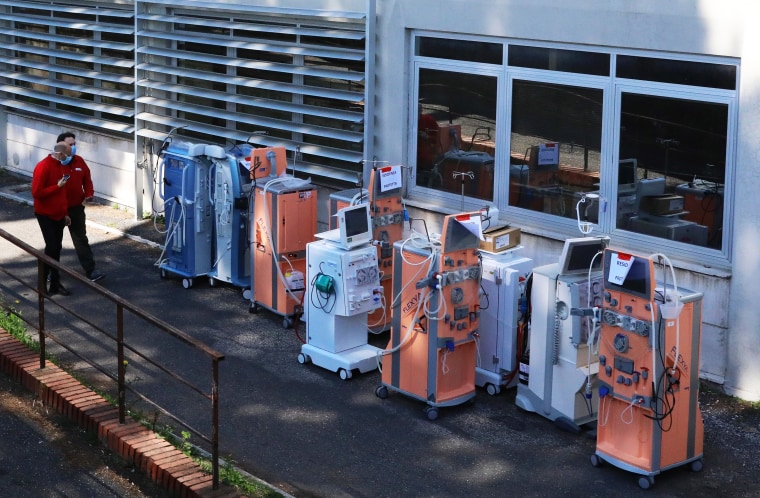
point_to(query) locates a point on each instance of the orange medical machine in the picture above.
(283, 221)
(649, 418)
(387, 211)
(431, 354)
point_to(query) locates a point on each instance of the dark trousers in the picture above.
(52, 233)
(78, 232)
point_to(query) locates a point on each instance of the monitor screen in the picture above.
(627, 174)
(638, 281)
(355, 225)
(580, 254)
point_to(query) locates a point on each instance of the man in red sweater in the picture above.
(51, 208)
(78, 190)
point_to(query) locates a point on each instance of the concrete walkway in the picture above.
(305, 431)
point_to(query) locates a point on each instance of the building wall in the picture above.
(730, 343)
(111, 159)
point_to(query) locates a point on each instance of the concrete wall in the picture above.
(111, 159)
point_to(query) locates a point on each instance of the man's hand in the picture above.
(67, 220)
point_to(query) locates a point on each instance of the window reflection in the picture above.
(555, 147)
(456, 133)
(679, 147)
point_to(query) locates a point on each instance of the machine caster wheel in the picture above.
(646, 482)
(253, 308)
(247, 294)
(431, 412)
(492, 389)
(381, 392)
(596, 461)
(344, 374)
(696, 465)
(287, 322)
(162, 274)
(187, 283)
(303, 359)
(211, 282)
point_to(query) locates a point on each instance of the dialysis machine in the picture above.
(283, 220)
(231, 190)
(387, 211)
(431, 354)
(188, 210)
(649, 417)
(343, 286)
(558, 378)
(502, 309)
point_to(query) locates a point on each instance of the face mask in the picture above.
(66, 161)
(73, 150)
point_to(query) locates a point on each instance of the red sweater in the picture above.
(49, 199)
(79, 187)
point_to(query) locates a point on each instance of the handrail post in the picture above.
(215, 423)
(41, 289)
(121, 367)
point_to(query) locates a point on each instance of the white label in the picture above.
(620, 265)
(548, 154)
(501, 241)
(390, 178)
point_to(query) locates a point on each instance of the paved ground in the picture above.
(43, 454)
(307, 432)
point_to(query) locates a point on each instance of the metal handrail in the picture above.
(121, 345)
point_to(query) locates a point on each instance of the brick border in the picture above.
(167, 466)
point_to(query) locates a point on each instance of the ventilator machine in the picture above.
(342, 288)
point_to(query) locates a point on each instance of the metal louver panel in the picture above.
(75, 62)
(227, 71)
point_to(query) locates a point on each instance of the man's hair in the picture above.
(66, 134)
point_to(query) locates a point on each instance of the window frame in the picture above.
(612, 87)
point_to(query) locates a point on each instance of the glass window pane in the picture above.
(679, 72)
(554, 59)
(456, 125)
(555, 147)
(460, 50)
(679, 148)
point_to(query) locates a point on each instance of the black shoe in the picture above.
(58, 289)
(96, 275)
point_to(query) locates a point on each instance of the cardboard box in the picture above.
(662, 204)
(500, 239)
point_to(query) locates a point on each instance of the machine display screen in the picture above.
(579, 255)
(356, 221)
(638, 281)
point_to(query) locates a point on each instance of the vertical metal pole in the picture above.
(215, 423)
(41, 289)
(121, 367)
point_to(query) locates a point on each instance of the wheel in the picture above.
(187, 283)
(162, 273)
(344, 374)
(696, 465)
(287, 322)
(302, 358)
(596, 461)
(492, 389)
(247, 294)
(646, 482)
(381, 392)
(253, 308)
(211, 282)
(431, 412)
